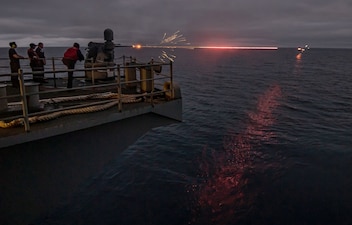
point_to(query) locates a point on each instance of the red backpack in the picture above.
(71, 53)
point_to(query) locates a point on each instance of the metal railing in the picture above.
(151, 84)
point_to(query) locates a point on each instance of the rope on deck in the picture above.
(88, 109)
(107, 95)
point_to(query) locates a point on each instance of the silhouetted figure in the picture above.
(70, 58)
(14, 64)
(34, 62)
(40, 63)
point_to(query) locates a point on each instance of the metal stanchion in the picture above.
(24, 100)
(119, 88)
(53, 64)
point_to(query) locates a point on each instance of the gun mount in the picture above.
(100, 55)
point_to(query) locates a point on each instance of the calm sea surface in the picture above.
(265, 139)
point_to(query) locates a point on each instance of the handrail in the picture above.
(119, 83)
(24, 101)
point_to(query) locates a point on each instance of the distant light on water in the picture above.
(301, 50)
(299, 56)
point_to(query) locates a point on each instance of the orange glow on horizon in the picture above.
(138, 46)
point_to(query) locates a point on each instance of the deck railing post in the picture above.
(171, 81)
(124, 64)
(24, 100)
(93, 80)
(113, 72)
(152, 82)
(119, 88)
(54, 73)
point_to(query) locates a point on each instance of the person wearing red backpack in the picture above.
(70, 58)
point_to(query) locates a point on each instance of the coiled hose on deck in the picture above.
(87, 109)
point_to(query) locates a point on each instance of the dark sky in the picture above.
(319, 23)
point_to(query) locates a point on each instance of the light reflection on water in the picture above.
(221, 195)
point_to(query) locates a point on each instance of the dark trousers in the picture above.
(70, 65)
(14, 74)
(38, 76)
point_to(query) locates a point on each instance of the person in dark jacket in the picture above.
(70, 58)
(14, 64)
(34, 62)
(40, 62)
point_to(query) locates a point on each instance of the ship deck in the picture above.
(159, 105)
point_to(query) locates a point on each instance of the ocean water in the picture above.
(265, 139)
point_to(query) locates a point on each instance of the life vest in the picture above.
(71, 53)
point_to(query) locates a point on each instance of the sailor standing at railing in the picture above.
(70, 58)
(41, 62)
(34, 62)
(14, 64)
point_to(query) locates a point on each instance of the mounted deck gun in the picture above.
(100, 55)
